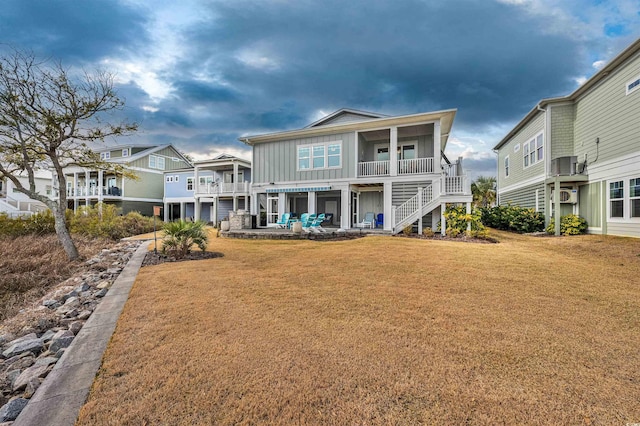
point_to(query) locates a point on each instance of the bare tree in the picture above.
(47, 120)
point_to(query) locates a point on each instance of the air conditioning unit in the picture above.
(567, 196)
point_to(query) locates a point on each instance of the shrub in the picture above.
(36, 224)
(407, 230)
(106, 221)
(570, 224)
(512, 218)
(180, 236)
(458, 219)
(428, 232)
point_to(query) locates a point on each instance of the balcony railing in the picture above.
(94, 191)
(224, 188)
(415, 166)
(456, 185)
(373, 168)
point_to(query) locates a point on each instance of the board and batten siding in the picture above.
(525, 197)
(517, 171)
(590, 203)
(562, 117)
(608, 113)
(278, 161)
(169, 154)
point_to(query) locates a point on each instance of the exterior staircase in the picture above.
(17, 208)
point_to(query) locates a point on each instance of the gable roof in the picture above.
(446, 118)
(150, 150)
(604, 72)
(347, 113)
(224, 159)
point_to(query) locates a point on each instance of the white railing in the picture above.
(456, 185)
(413, 204)
(224, 188)
(415, 166)
(373, 168)
(18, 207)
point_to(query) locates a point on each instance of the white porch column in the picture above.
(311, 202)
(235, 176)
(86, 188)
(196, 209)
(393, 152)
(165, 210)
(182, 210)
(420, 208)
(246, 203)
(282, 199)
(469, 212)
(100, 186)
(437, 156)
(387, 198)
(235, 203)
(443, 222)
(196, 181)
(345, 207)
(215, 211)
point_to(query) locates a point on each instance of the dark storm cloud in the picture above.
(489, 60)
(72, 30)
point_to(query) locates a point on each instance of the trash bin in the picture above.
(254, 221)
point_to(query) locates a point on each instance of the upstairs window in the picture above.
(125, 152)
(320, 156)
(533, 150)
(156, 162)
(633, 85)
(105, 155)
(189, 184)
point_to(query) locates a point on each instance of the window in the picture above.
(174, 159)
(169, 179)
(176, 178)
(125, 152)
(205, 180)
(406, 152)
(633, 85)
(320, 156)
(189, 184)
(634, 196)
(516, 148)
(506, 166)
(533, 150)
(156, 162)
(382, 153)
(616, 199)
(105, 155)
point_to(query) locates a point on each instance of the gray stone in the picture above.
(69, 295)
(48, 335)
(59, 353)
(72, 301)
(51, 303)
(101, 293)
(82, 287)
(25, 362)
(12, 409)
(34, 372)
(84, 315)
(114, 271)
(85, 294)
(29, 336)
(32, 345)
(62, 339)
(46, 361)
(31, 388)
(13, 375)
(75, 327)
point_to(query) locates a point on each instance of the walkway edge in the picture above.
(64, 391)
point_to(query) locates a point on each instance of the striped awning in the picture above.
(300, 189)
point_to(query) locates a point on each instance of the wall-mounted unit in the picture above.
(564, 166)
(567, 196)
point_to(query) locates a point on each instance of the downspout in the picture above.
(495, 151)
(556, 184)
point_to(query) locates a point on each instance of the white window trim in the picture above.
(403, 144)
(507, 166)
(326, 156)
(190, 180)
(125, 152)
(535, 150)
(630, 198)
(157, 159)
(516, 148)
(626, 199)
(176, 178)
(169, 179)
(633, 89)
(105, 155)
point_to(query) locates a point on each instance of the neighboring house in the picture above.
(90, 186)
(209, 190)
(587, 145)
(351, 163)
(16, 203)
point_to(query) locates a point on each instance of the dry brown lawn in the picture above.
(380, 330)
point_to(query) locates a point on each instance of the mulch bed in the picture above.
(157, 258)
(462, 238)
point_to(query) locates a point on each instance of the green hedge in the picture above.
(512, 218)
(570, 224)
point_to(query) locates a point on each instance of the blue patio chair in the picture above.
(380, 220)
(316, 223)
(284, 222)
(307, 219)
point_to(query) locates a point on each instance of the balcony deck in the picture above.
(414, 166)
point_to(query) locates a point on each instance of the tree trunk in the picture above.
(64, 236)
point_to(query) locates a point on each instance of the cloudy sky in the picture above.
(201, 73)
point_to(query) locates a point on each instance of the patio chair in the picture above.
(316, 223)
(380, 220)
(284, 222)
(368, 221)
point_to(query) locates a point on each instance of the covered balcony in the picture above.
(412, 147)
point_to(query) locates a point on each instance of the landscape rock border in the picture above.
(63, 342)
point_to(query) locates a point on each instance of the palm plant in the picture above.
(180, 236)
(484, 191)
